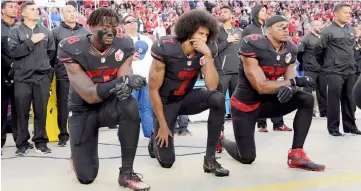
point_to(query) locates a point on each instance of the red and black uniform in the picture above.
(85, 119)
(247, 105)
(179, 97)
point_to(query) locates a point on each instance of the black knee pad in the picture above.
(164, 165)
(217, 100)
(85, 181)
(249, 160)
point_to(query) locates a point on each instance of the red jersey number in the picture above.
(72, 40)
(273, 72)
(105, 73)
(189, 76)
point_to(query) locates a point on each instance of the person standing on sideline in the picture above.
(142, 60)
(227, 60)
(69, 27)
(259, 17)
(8, 12)
(311, 68)
(334, 51)
(32, 46)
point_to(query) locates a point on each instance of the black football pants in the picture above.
(357, 92)
(84, 131)
(194, 102)
(227, 82)
(244, 120)
(37, 94)
(62, 92)
(321, 90)
(7, 94)
(340, 92)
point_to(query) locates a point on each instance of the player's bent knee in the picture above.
(307, 100)
(217, 99)
(165, 165)
(248, 160)
(85, 181)
(131, 110)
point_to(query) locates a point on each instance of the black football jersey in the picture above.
(181, 72)
(101, 67)
(274, 64)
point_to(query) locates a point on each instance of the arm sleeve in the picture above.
(157, 51)
(19, 49)
(247, 49)
(63, 55)
(320, 47)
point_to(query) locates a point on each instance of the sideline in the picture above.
(303, 184)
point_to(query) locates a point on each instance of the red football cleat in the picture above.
(297, 158)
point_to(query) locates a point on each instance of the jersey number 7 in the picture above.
(189, 76)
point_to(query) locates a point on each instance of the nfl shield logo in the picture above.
(288, 58)
(119, 55)
(189, 63)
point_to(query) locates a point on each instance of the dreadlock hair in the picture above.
(96, 17)
(189, 23)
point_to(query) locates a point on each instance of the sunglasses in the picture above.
(131, 21)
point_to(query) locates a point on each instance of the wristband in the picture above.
(103, 89)
(293, 82)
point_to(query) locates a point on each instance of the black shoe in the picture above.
(336, 134)
(132, 180)
(150, 147)
(210, 165)
(355, 132)
(30, 146)
(22, 151)
(62, 143)
(43, 149)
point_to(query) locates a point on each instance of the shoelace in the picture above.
(136, 177)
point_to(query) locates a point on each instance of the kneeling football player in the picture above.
(176, 66)
(260, 95)
(97, 65)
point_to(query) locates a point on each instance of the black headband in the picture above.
(275, 19)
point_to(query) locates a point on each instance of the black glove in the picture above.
(284, 94)
(303, 81)
(135, 81)
(122, 91)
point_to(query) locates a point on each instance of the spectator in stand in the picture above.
(55, 17)
(160, 30)
(142, 60)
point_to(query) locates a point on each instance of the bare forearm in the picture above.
(86, 91)
(210, 74)
(157, 105)
(270, 86)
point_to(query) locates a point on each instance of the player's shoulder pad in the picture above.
(73, 45)
(213, 47)
(291, 47)
(163, 47)
(257, 41)
(123, 41)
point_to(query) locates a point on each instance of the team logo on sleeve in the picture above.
(119, 55)
(288, 58)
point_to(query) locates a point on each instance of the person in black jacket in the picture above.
(259, 16)
(307, 59)
(227, 61)
(32, 47)
(8, 12)
(334, 51)
(69, 27)
(358, 51)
